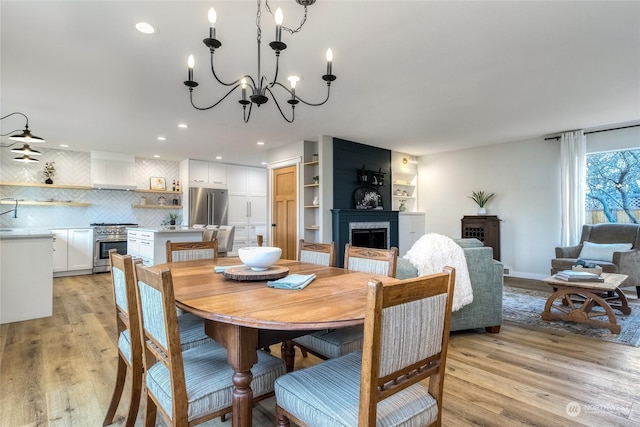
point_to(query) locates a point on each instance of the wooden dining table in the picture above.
(245, 316)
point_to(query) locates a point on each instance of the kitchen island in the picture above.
(149, 243)
(26, 280)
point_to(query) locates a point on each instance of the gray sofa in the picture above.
(623, 262)
(487, 278)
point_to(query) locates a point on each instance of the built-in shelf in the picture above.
(403, 197)
(37, 203)
(404, 184)
(312, 227)
(158, 191)
(311, 163)
(312, 206)
(37, 184)
(157, 206)
(311, 185)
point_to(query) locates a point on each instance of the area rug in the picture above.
(523, 306)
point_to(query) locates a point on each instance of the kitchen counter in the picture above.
(149, 243)
(26, 282)
(168, 229)
(20, 233)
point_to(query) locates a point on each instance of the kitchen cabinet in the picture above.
(206, 174)
(150, 244)
(411, 226)
(72, 251)
(247, 192)
(26, 283)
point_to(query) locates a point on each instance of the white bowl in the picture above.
(259, 258)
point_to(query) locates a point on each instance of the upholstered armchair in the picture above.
(614, 247)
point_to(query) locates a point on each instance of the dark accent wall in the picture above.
(349, 156)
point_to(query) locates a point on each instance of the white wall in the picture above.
(525, 177)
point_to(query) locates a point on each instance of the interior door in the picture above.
(284, 227)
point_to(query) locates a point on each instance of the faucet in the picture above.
(14, 209)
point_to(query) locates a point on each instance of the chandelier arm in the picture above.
(311, 104)
(293, 109)
(213, 71)
(211, 106)
(247, 116)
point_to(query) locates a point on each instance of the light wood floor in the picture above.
(59, 371)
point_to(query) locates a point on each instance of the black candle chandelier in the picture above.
(261, 88)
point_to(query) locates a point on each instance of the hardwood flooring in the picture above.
(59, 371)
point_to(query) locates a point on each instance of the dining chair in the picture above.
(317, 253)
(129, 337)
(331, 343)
(192, 386)
(191, 251)
(209, 234)
(226, 234)
(398, 377)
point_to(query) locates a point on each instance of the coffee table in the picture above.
(577, 300)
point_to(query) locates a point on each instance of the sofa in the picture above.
(487, 278)
(614, 247)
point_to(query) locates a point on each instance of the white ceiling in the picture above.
(413, 76)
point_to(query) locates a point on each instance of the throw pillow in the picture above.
(602, 251)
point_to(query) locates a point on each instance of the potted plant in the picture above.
(316, 179)
(481, 198)
(172, 218)
(49, 172)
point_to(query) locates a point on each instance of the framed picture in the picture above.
(158, 183)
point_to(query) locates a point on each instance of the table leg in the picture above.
(580, 311)
(241, 344)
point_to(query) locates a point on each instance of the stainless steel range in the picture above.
(106, 237)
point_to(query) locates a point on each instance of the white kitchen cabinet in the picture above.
(206, 174)
(72, 251)
(247, 189)
(150, 244)
(411, 226)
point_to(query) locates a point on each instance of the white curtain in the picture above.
(573, 166)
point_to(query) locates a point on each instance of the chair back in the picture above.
(317, 253)
(123, 280)
(209, 234)
(225, 238)
(391, 361)
(191, 251)
(161, 332)
(369, 260)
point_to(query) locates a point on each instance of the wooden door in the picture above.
(285, 224)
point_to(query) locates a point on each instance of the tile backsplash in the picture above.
(74, 168)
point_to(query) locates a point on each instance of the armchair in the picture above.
(626, 261)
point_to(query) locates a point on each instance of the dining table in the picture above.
(247, 315)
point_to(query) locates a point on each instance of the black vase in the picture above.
(48, 181)
(172, 222)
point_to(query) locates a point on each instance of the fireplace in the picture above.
(366, 228)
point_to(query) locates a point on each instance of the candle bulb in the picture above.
(190, 63)
(212, 21)
(279, 18)
(329, 61)
(243, 84)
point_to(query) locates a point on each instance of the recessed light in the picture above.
(263, 163)
(218, 157)
(183, 125)
(162, 138)
(145, 28)
(157, 156)
(64, 145)
(260, 143)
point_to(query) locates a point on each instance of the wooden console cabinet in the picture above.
(484, 228)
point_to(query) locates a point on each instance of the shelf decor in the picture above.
(367, 198)
(157, 183)
(49, 172)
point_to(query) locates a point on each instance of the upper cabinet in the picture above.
(206, 174)
(113, 171)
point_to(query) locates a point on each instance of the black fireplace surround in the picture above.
(381, 222)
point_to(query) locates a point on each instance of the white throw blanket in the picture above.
(431, 253)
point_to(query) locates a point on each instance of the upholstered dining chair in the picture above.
(397, 379)
(129, 337)
(209, 234)
(226, 234)
(191, 251)
(317, 253)
(331, 343)
(192, 386)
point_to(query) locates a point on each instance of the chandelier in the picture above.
(25, 137)
(260, 89)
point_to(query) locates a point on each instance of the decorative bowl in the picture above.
(259, 258)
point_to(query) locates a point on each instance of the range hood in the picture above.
(113, 171)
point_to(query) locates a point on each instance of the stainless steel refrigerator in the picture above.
(207, 206)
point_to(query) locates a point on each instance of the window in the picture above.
(613, 187)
